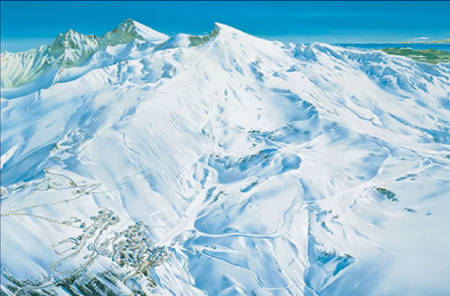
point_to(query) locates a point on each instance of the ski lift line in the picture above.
(44, 218)
(71, 181)
(12, 212)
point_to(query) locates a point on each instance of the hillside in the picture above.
(222, 164)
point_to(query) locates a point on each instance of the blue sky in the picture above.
(30, 24)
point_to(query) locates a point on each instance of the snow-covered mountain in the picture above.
(70, 49)
(222, 164)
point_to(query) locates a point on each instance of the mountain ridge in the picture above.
(236, 166)
(72, 49)
(69, 49)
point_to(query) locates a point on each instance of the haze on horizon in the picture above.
(28, 25)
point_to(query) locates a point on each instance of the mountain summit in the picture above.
(129, 30)
(69, 49)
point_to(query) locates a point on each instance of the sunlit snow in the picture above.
(240, 166)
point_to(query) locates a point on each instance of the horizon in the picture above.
(27, 25)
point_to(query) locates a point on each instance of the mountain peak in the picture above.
(72, 39)
(228, 29)
(230, 33)
(128, 26)
(130, 29)
(70, 49)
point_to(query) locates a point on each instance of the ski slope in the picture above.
(234, 165)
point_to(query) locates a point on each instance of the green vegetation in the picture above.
(388, 194)
(432, 56)
(69, 49)
(439, 41)
(109, 283)
(103, 283)
(198, 40)
(427, 42)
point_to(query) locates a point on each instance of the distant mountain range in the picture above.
(444, 41)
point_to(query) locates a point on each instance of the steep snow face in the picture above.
(130, 30)
(234, 166)
(68, 50)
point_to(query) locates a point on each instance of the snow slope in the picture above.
(260, 168)
(70, 49)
